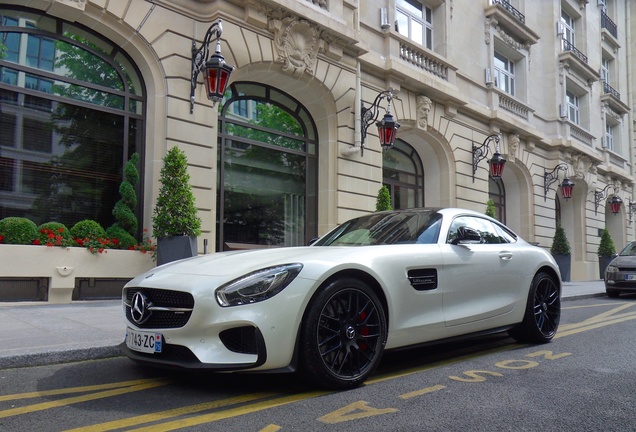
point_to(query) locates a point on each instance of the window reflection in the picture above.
(68, 122)
(267, 170)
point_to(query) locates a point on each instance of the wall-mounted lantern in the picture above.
(387, 127)
(496, 163)
(567, 186)
(216, 72)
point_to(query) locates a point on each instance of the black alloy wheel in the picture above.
(543, 311)
(343, 335)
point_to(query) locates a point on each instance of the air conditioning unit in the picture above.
(562, 111)
(560, 26)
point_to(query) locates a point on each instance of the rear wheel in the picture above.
(543, 311)
(343, 335)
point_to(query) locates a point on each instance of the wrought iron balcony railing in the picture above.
(511, 9)
(608, 89)
(609, 25)
(568, 46)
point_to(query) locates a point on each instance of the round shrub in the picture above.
(54, 234)
(124, 240)
(88, 229)
(18, 230)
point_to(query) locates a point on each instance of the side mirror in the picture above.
(467, 235)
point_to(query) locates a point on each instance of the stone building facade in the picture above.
(552, 78)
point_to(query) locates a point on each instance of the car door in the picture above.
(482, 273)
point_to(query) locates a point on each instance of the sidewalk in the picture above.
(38, 334)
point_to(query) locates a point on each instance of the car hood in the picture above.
(622, 261)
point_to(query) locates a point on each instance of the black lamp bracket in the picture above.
(480, 153)
(600, 195)
(550, 177)
(200, 56)
(370, 115)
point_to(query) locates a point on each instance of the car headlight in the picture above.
(257, 286)
(611, 269)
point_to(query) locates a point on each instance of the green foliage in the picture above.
(88, 229)
(490, 209)
(560, 244)
(124, 210)
(384, 200)
(18, 230)
(175, 212)
(54, 234)
(606, 247)
(119, 238)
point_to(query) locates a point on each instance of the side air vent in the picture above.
(423, 279)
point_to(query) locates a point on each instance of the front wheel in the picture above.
(543, 311)
(343, 335)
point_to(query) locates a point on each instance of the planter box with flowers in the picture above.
(51, 252)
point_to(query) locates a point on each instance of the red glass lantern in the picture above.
(217, 75)
(567, 187)
(496, 165)
(387, 130)
(615, 204)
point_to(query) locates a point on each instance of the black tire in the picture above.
(612, 293)
(342, 335)
(543, 311)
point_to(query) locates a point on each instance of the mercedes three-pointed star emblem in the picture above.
(139, 308)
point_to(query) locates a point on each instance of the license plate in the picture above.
(145, 342)
(630, 277)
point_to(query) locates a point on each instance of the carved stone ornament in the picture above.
(296, 42)
(424, 105)
(513, 147)
(581, 165)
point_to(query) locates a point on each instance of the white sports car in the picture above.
(378, 282)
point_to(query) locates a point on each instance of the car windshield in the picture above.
(629, 250)
(420, 227)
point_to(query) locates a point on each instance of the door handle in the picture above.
(506, 256)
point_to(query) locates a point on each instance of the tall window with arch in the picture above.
(497, 193)
(403, 174)
(267, 170)
(72, 112)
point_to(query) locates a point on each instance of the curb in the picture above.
(58, 357)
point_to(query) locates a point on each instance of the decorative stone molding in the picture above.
(424, 105)
(296, 42)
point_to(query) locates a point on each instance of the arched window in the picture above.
(497, 193)
(267, 166)
(403, 174)
(71, 115)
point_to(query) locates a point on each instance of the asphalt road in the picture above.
(584, 380)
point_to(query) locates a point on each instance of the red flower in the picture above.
(36, 242)
(60, 230)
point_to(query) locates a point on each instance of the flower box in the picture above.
(63, 265)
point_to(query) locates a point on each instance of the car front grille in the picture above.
(175, 307)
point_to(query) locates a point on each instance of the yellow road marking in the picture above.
(234, 412)
(78, 399)
(71, 390)
(423, 391)
(163, 415)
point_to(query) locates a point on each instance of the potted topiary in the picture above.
(125, 227)
(175, 221)
(18, 231)
(561, 251)
(606, 252)
(383, 201)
